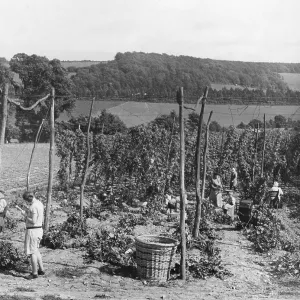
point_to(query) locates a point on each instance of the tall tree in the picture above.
(39, 75)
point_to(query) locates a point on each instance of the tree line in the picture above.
(151, 76)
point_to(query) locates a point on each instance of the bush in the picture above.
(203, 267)
(11, 223)
(110, 247)
(10, 257)
(222, 218)
(208, 262)
(265, 231)
(59, 236)
(287, 264)
(129, 221)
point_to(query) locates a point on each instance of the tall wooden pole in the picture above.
(32, 153)
(204, 157)
(221, 152)
(85, 174)
(180, 101)
(167, 160)
(255, 153)
(198, 167)
(264, 147)
(51, 154)
(3, 120)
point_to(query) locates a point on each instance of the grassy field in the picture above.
(15, 162)
(220, 86)
(136, 113)
(292, 80)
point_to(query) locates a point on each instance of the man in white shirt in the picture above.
(34, 216)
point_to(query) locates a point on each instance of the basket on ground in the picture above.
(154, 256)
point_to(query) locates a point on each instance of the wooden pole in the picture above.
(204, 157)
(264, 147)
(85, 174)
(255, 153)
(180, 101)
(198, 167)
(167, 160)
(3, 118)
(51, 155)
(32, 153)
(221, 152)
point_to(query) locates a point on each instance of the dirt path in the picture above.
(69, 278)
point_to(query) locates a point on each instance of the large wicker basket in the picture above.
(154, 256)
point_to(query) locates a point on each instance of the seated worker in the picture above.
(228, 206)
(170, 201)
(275, 188)
(3, 210)
(173, 202)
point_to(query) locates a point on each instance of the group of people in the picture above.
(33, 213)
(228, 204)
(216, 196)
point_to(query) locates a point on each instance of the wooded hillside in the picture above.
(148, 75)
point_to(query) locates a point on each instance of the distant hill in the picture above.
(140, 76)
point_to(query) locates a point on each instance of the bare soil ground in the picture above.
(69, 277)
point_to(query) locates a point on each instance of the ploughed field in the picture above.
(136, 113)
(15, 163)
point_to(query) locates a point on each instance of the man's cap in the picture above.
(28, 195)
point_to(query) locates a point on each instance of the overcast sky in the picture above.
(248, 30)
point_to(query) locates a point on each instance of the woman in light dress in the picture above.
(216, 190)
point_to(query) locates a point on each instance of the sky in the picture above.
(243, 30)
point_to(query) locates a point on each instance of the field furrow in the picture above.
(15, 163)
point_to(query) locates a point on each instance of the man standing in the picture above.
(34, 216)
(3, 210)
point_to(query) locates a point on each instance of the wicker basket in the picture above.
(154, 256)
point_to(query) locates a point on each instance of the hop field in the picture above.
(15, 165)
